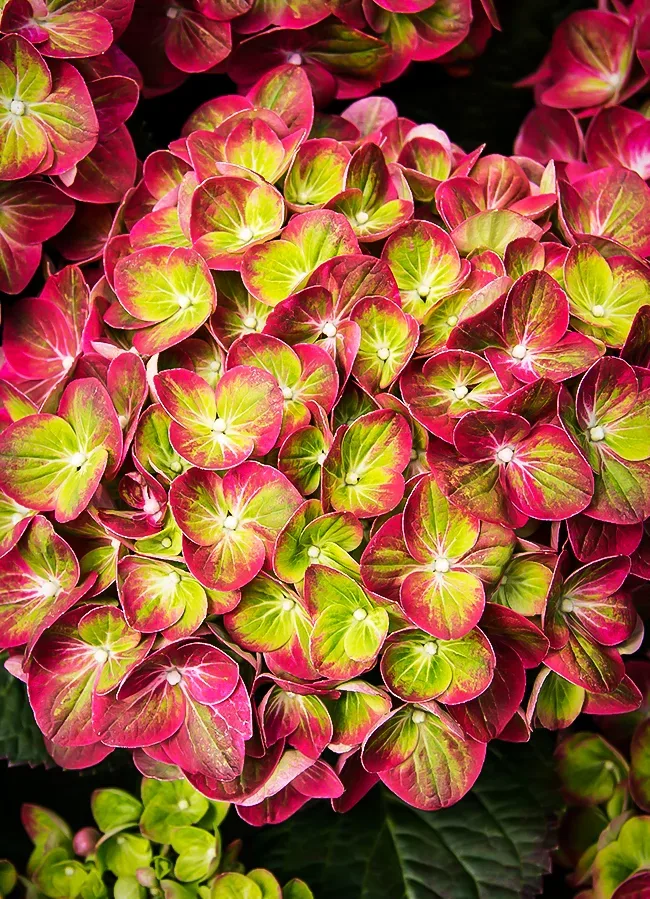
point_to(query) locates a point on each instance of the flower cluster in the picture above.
(351, 432)
(165, 844)
(606, 783)
(347, 49)
(599, 59)
(66, 92)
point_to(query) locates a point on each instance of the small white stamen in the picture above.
(329, 330)
(50, 588)
(418, 717)
(295, 59)
(383, 352)
(174, 578)
(151, 506)
(362, 217)
(597, 434)
(414, 455)
(183, 804)
(67, 362)
(351, 478)
(288, 605)
(461, 392)
(250, 322)
(313, 552)
(215, 365)
(598, 311)
(452, 320)
(287, 393)
(442, 565)
(174, 678)
(423, 291)
(219, 426)
(184, 301)
(166, 542)
(77, 459)
(17, 107)
(173, 12)
(100, 656)
(120, 841)
(123, 420)
(320, 458)
(609, 765)
(519, 351)
(230, 522)
(505, 454)
(16, 518)
(566, 605)
(245, 234)
(360, 614)
(175, 465)
(68, 871)
(431, 648)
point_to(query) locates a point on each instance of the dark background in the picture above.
(481, 107)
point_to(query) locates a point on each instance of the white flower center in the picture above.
(461, 391)
(183, 804)
(215, 365)
(519, 351)
(320, 458)
(431, 648)
(174, 578)
(351, 478)
(100, 656)
(50, 588)
(288, 605)
(115, 543)
(123, 420)
(17, 107)
(77, 459)
(360, 614)
(442, 565)
(184, 301)
(452, 320)
(174, 678)
(418, 717)
(383, 352)
(329, 330)
(567, 605)
(423, 291)
(219, 426)
(598, 311)
(250, 322)
(287, 393)
(67, 362)
(295, 59)
(505, 454)
(313, 552)
(69, 871)
(597, 434)
(166, 542)
(414, 455)
(16, 518)
(151, 506)
(230, 522)
(245, 234)
(175, 465)
(362, 217)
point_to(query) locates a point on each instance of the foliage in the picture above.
(165, 843)
(604, 832)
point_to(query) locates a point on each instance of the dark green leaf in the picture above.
(21, 742)
(494, 844)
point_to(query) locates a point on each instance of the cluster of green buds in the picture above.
(165, 844)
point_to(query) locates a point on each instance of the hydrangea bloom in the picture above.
(350, 434)
(65, 94)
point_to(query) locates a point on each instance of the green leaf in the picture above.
(21, 742)
(198, 853)
(494, 844)
(113, 808)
